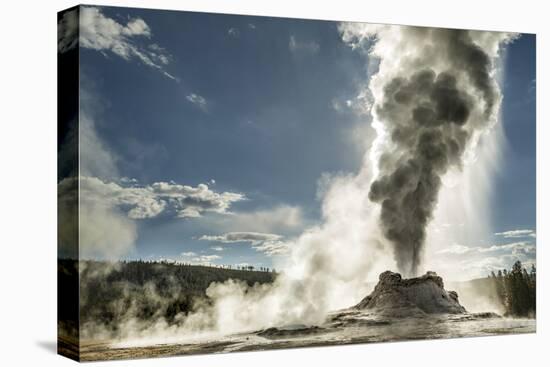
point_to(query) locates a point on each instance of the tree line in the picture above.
(516, 290)
(112, 292)
(243, 267)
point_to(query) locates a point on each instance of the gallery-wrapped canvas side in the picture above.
(68, 342)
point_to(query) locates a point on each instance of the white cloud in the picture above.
(360, 104)
(101, 231)
(101, 33)
(149, 201)
(233, 32)
(96, 159)
(517, 233)
(252, 237)
(272, 248)
(516, 247)
(217, 248)
(193, 258)
(281, 218)
(455, 249)
(188, 254)
(198, 101)
(479, 261)
(306, 46)
(67, 31)
(267, 243)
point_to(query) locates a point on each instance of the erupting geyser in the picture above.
(432, 104)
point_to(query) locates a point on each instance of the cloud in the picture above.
(455, 249)
(217, 248)
(198, 101)
(96, 159)
(272, 248)
(297, 46)
(252, 237)
(267, 243)
(188, 254)
(91, 228)
(514, 248)
(67, 31)
(233, 32)
(99, 229)
(108, 211)
(193, 258)
(281, 218)
(479, 261)
(360, 105)
(149, 201)
(484, 266)
(95, 31)
(517, 233)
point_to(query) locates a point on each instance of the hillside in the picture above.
(111, 293)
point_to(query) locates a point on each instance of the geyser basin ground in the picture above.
(397, 310)
(361, 330)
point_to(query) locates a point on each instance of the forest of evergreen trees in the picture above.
(516, 289)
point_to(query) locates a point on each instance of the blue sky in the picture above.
(259, 109)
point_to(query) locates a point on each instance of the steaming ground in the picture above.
(295, 336)
(435, 102)
(398, 309)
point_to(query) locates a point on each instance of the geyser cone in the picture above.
(397, 297)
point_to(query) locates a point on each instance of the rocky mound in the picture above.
(414, 297)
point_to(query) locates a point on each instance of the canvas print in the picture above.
(233, 183)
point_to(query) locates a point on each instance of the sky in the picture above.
(214, 134)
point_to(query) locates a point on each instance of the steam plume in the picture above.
(435, 95)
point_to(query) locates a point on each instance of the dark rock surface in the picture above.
(290, 331)
(414, 297)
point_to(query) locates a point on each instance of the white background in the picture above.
(28, 181)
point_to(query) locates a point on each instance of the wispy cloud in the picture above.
(278, 219)
(304, 46)
(194, 258)
(188, 254)
(467, 262)
(513, 248)
(252, 237)
(198, 101)
(272, 248)
(517, 233)
(96, 31)
(267, 243)
(233, 32)
(456, 249)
